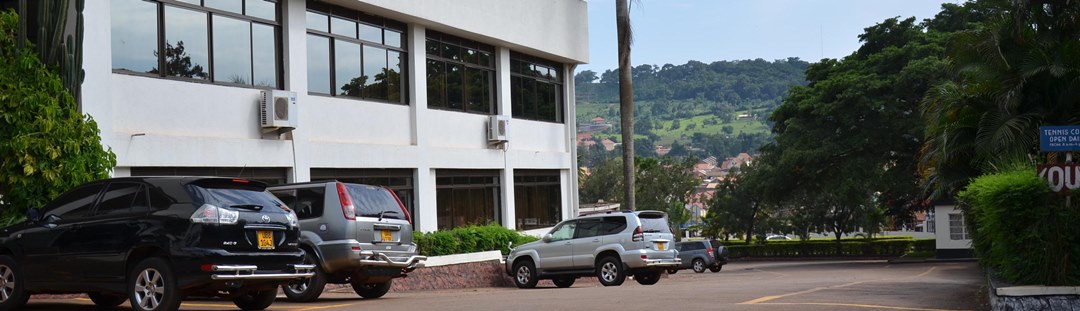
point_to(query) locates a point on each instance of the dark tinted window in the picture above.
(374, 201)
(309, 202)
(76, 203)
(588, 227)
(653, 223)
(227, 193)
(119, 198)
(614, 225)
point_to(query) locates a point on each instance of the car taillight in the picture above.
(347, 207)
(708, 250)
(638, 235)
(402, 206)
(209, 214)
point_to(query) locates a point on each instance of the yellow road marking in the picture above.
(764, 300)
(326, 307)
(855, 305)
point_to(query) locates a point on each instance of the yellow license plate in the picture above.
(387, 235)
(266, 239)
(660, 246)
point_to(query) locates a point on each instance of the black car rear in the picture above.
(155, 240)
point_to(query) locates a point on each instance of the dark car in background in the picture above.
(701, 255)
(354, 234)
(154, 240)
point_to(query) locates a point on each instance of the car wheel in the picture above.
(610, 271)
(647, 278)
(525, 274)
(699, 265)
(153, 286)
(259, 300)
(371, 290)
(13, 294)
(106, 300)
(716, 268)
(564, 282)
(672, 271)
(306, 290)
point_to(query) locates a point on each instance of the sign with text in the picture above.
(1059, 138)
(1062, 178)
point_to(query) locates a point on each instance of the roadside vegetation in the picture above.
(469, 239)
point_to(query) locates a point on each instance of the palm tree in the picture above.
(1014, 73)
(626, 99)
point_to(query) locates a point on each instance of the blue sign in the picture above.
(1059, 138)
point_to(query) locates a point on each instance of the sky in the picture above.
(677, 31)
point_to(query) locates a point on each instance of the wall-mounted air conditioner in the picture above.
(496, 130)
(277, 111)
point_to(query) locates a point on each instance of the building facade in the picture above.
(393, 93)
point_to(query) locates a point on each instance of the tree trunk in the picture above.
(626, 101)
(750, 227)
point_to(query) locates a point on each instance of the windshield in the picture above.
(653, 223)
(375, 202)
(236, 194)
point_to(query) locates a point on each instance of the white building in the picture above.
(394, 93)
(952, 236)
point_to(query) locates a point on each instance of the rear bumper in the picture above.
(243, 272)
(343, 256)
(652, 259)
(216, 268)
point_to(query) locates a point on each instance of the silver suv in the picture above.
(352, 233)
(609, 246)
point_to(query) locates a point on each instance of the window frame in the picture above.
(491, 182)
(462, 43)
(360, 17)
(210, 12)
(516, 59)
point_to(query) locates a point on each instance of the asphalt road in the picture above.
(855, 285)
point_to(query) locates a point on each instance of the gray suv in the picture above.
(609, 246)
(353, 233)
(701, 255)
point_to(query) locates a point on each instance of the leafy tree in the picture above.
(178, 63)
(664, 185)
(587, 76)
(728, 129)
(46, 146)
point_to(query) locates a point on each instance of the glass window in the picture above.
(242, 51)
(454, 73)
(436, 86)
(186, 47)
(536, 89)
(134, 48)
(565, 231)
(398, 180)
(74, 204)
(468, 84)
(119, 198)
(467, 198)
(375, 202)
(363, 67)
(587, 228)
(232, 50)
(614, 225)
(393, 38)
(318, 64)
(537, 203)
(957, 229)
(347, 69)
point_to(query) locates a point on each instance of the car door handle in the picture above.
(596, 240)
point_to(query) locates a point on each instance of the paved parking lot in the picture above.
(855, 285)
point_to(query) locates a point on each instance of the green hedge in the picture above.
(469, 240)
(1021, 230)
(821, 248)
(925, 246)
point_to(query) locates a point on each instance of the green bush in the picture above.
(925, 245)
(469, 239)
(1021, 230)
(892, 246)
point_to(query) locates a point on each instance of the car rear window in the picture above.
(374, 201)
(236, 193)
(653, 223)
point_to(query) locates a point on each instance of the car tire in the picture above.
(12, 285)
(672, 271)
(564, 282)
(306, 290)
(647, 278)
(716, 268)
(152, 286)
(698, 265)
(106, 300)
(610, 271)
(371, 290)
(259, 300)
(525, 274)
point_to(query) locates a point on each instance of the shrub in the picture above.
(893, 246)
(468, 240)
(925, 245)
(1021, 230)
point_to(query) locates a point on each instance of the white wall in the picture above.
(941, 220)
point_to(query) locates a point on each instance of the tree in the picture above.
(46, 146)
(626, 99)
(728, 129)
(584, 77)
(178, 63)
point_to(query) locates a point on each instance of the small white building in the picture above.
(951, 233)
(386, 92)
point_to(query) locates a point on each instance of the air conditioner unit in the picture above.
(277, 111)
(497, 126)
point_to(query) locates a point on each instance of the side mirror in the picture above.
(547, 238)
(32, 215)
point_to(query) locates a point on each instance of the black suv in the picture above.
(154, 240)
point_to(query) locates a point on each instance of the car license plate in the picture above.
(660, 246)
(387, 235)
(266, 239)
